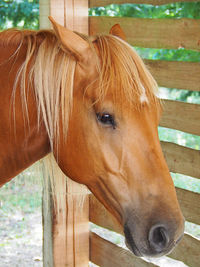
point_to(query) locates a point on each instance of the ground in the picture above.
(21, 223)
(20, 239)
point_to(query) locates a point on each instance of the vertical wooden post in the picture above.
(71, 228)
(66, 234)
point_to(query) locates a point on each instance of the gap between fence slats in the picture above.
(181, 116)
(107, 254)
(152, 33)
(98, 3)
(182, 159)
(175, 74)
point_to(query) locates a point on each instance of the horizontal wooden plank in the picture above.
(152, 33)
(189, 202)
(98, 3)
(182, 159)
(190, 205)
(174, 74)
(188, 251)
(181, 116)
(107, 254)
(100, 216)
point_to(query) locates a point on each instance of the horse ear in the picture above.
(70, 41)
(117, 31)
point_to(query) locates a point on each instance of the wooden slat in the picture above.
(181, 116)
(189, 202)
(100, 216)
(182, 159)
(107, 254)
(152, 33)
(174, 74)
(98, 3)
(188, 251)
(190, 205)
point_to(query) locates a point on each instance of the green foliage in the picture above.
(174, 10)
(19, 13)
(186, 182)
(181, 95)
(22, 194)
(180, 138)
(180, 54)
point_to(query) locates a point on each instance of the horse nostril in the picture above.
(158, 238)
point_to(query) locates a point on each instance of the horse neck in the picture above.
(21, 143)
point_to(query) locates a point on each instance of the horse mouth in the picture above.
(130, 242)
(132, 247)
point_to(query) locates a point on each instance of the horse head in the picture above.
(112, 142)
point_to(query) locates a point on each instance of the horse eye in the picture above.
(106, 119)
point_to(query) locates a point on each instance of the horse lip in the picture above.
(133, 248)
(179, 239)
(172, 245)
(130, 243)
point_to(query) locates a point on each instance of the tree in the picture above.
(19, 13)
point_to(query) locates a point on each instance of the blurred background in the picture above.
(20, 200)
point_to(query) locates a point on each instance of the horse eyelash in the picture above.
(99, 114)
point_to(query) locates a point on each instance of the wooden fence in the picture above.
(149, 33)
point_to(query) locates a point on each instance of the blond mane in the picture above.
(123, 70)
(50, 71)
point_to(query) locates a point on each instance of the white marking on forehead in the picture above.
(143, 97)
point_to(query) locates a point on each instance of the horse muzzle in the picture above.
(157, 241)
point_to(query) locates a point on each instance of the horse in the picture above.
(91, 102)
